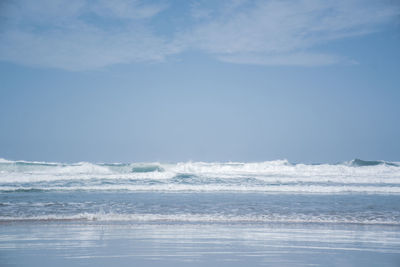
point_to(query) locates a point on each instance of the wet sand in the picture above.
(122, 244)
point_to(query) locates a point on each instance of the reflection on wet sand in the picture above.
(67, 244)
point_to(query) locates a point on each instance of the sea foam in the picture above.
(270, 176)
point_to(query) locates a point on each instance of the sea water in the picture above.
(272, 213)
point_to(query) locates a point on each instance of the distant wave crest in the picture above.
(363, 163)
(269, 176)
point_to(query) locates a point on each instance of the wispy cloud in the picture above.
(130, 9)
(285, 59)
(80, 35)
(284, 32)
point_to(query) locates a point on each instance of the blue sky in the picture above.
(230, 80)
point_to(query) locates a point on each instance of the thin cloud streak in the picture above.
(284, 32)
(294, 59)
(84, 35)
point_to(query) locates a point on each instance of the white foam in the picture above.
(5, 161)
(280, 172)
(2, 160)
(204, 218)
(302, 189)
(280, 167)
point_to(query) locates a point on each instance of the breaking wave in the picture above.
(352, 192)
(357, 176)
(362, 163)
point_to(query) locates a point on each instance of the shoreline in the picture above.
(94, 244)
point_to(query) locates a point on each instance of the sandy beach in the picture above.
(125, 244)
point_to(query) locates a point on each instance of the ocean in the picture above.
(272, 213)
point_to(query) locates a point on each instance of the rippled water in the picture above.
(272, 213)
(366, 192)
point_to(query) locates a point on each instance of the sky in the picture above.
(230, 80)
